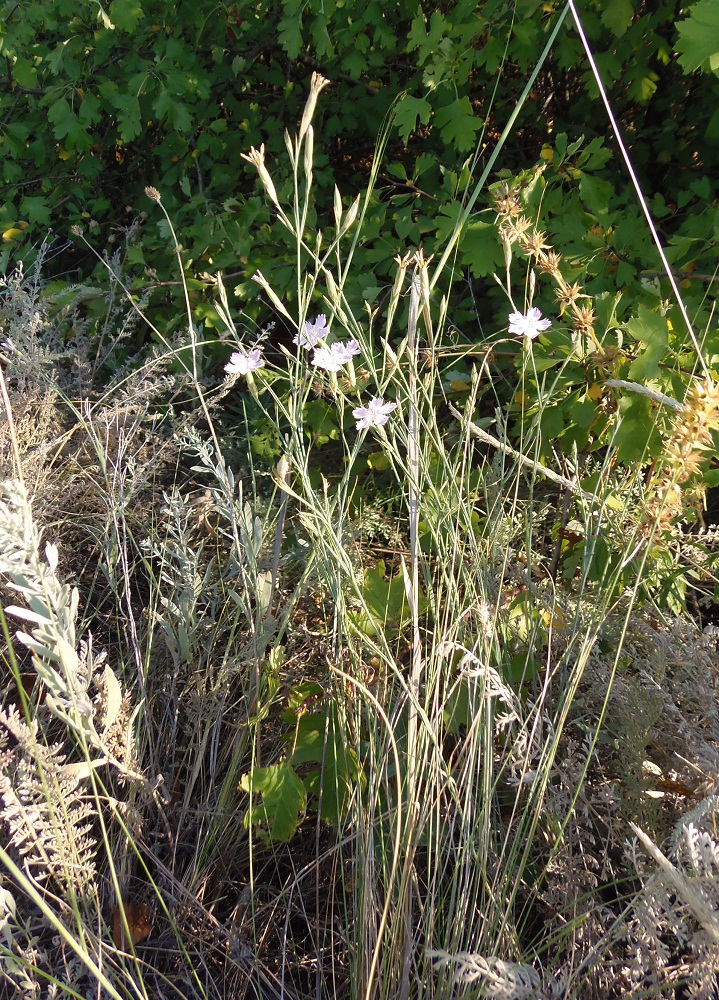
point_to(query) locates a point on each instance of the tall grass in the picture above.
(451, 837)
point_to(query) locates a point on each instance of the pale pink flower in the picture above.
(335, 356)
(311, 333)
(242, 363)
(528, 325)
(375, 414)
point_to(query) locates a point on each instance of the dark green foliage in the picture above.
(98, 102)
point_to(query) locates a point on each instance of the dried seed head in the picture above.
(507, 201)
(153, 194)
(584, 319)
(548, 263)
(514, 229)
(568, 295)
(534, 242)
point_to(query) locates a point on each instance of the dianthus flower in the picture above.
(311, 333)
(335, 356)
(241, 363)
(528, 325)
(375, 414)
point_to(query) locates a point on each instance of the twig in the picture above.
(529, 463)
(658, 397)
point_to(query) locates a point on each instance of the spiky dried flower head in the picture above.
(534, 242)
(701, 412)
(568, 295)
(514, 229)
(153, 194)
(606, 356)
(584, 320)
(507, 201)
(548, 263)
(685, 451)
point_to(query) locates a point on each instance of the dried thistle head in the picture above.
(569, 295)
(507, 201)
(513, 230)
(685, 451)
(584, 320)
(548, 263)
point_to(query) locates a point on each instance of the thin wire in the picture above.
(637, 188)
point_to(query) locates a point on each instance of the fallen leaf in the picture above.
(138, 922)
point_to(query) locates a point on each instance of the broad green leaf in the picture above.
(385, 600)
(290, 35)
(447, 219)
(408, 111)
(283, 799)
(24, 73)
(457, 124)
(36, 209)
(699, 37)
(66, 125)
(551, 427)
(319, 738)
(168, 108)
(426, 41)
(595, 193)
(637, 438)
(320, 36)
(321, 422)
(354, 63)
(480, 249)
(651, 330)
(90, 111)
(126, 14)
(617, 16)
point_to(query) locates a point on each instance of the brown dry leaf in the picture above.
(138, 922)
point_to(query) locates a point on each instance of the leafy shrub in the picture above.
(141, 92)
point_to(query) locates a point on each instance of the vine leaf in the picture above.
(457, 124)
(283, 799)
(617, 16)
(408, 111)
(699, 37)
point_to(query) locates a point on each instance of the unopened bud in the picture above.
(309, 150)
(351, 214)
(317, 83)
(257, 158)
(338, 209)
(261, 280)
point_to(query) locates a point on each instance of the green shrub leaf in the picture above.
(699, 37)
(283, 799)
(408, 112)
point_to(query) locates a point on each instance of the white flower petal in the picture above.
(375, 414)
